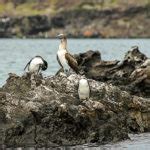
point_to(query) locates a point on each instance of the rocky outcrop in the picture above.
(127, 74)
(24, 26)
(91, 23)
(48, 112)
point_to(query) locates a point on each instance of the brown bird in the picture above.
(64, 58)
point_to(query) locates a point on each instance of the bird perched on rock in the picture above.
(64, 58)
(36, 64)
(83, 89)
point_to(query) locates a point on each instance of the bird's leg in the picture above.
(67, 72)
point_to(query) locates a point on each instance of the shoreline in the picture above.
(133, 22)
(117, 145)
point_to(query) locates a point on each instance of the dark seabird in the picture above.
(36, 64)
(64, 58)
(84, 89)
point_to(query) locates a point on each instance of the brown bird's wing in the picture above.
(72, 62)
(59, 61)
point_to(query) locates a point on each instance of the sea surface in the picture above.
(15, 54)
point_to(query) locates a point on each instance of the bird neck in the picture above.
(63, 44)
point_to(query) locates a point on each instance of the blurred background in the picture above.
(27, 25)
(77, 18)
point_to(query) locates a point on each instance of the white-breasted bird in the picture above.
(84, 89)
(36, 64)
(64, 58)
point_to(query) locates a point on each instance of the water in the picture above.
(137, 142)
(15, 53)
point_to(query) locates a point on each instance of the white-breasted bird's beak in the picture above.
(61, 36)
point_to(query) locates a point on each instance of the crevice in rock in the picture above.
(35, 127)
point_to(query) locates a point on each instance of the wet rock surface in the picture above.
(48, 112)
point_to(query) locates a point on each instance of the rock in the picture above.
(52, 114)
(27, 26)
(33, 25)
(93, 22)
(47, 111)
(127, 74)
(58, 22)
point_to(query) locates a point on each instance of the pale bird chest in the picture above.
(34, 65)
(84, 88)
(61, 56)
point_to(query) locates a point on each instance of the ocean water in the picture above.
(15, 54)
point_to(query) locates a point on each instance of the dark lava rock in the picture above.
(47, 111)
(80, 22)
(24, 26)
(33, 25)
(58, 22)
(118, 73)
(50, 112)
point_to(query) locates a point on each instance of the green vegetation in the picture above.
(47, 7)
